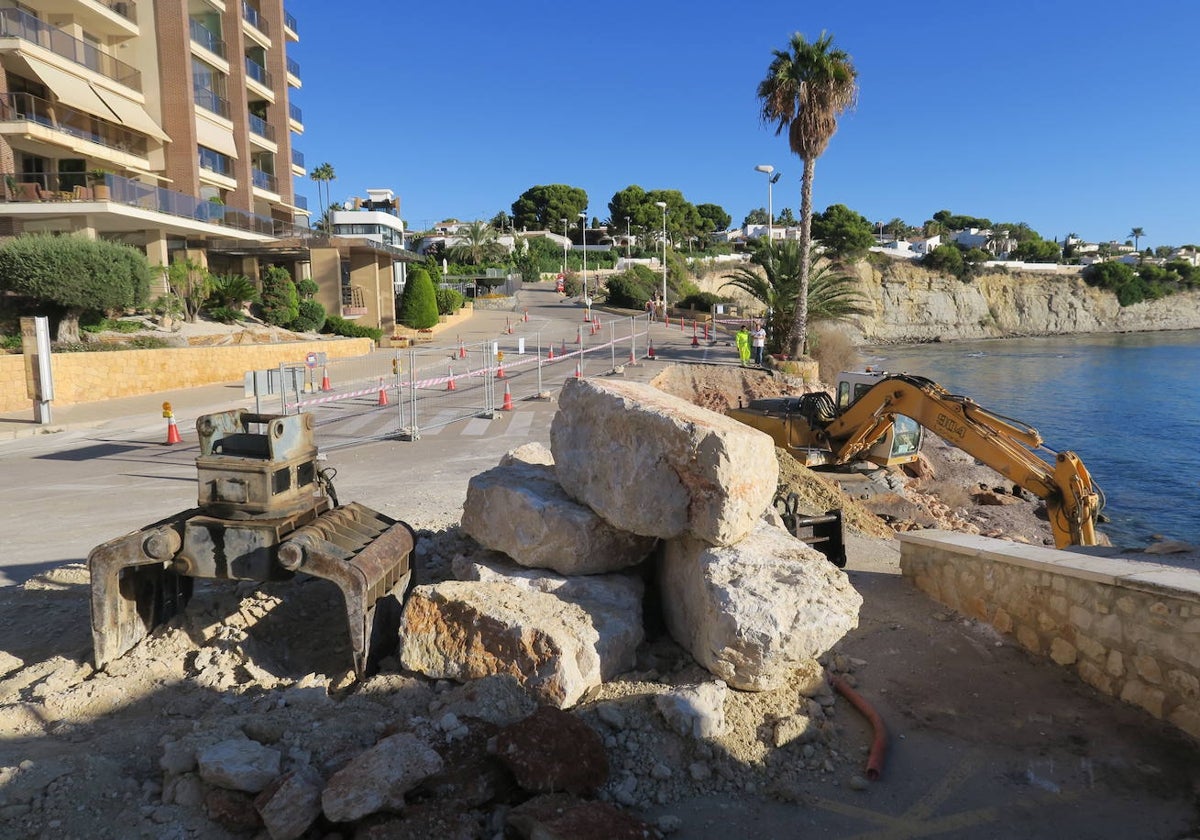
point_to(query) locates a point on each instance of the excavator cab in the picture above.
(901, 443)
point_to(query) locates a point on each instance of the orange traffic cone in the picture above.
(507, 326)
(507, 405)
(383, 400)
(650, 352)
(695, 336)
(172, 431)
(526, 314)
(578, 335)
(462, 351)
(578, 372)
(450, 386)
(550, 355)
(325, 386)
(500, 371)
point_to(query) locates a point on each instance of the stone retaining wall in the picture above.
(1130, 629)
(90, 377)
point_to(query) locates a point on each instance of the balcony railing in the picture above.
(261, 127)
(210, 100)
(264, 180)
(297, 158)
(214, 161)
(295, 113)
(254, 17)
(300, 201)
(289, 20)
(257, 72)
(206, 38)
(293, 67)
(79, 124)
(15, 23)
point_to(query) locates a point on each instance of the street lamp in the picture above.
(663, 205)
(627, 238)
(564, 224)
(767, 169)
(583, 234)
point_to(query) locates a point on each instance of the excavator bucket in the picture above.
(264, 515)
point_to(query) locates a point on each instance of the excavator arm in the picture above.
(1071, 498)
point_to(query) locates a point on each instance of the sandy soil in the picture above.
(96, 754)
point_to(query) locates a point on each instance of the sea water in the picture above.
(1128, 405)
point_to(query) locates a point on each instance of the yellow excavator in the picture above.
(878, 417)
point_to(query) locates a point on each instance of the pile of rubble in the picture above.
(618, 625)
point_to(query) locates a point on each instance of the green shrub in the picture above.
(10, 343)
(226, 314)
(703, 301)
(311, 318)
(307, 288)
(337, 325)
(232, 291)
(631, 289)
(418, 306)
(97, 325)
(280, 301)
(449, 301)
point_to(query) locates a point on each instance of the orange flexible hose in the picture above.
(879, 742)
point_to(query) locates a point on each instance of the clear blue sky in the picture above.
(1074, 116)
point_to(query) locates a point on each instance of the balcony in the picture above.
(15, 23)
(18, 107)
(209, 100)
(297, 158)
(289, 22)
(261, 127)
(124, 8)
(214, 161)
(255, 18)
(295, 114)
(300, 201)
(207, 39)
(264, 180)
(293, 68)
(67, 187)
(258, 73)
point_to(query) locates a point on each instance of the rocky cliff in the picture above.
(913, 304)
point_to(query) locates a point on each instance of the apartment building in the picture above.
(165, 124)
(169, 125)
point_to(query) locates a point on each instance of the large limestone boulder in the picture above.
(520, 510)
(463, 631)
(754, 612)
(612, 603)
(656, 465)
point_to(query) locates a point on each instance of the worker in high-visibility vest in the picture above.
(743, 345)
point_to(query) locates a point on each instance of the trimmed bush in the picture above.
(280, 301)
(418, 306)
(337, 325)
(631, 289)
(311, 317)
(449, 301)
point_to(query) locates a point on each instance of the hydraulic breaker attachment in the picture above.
(264, 515)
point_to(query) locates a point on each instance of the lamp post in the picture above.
(767, 169)
(627, 239)
(583, 235)
(663, 205)
(564, 224)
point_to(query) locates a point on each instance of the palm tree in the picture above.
(323, 174)
(775, 282)
(477, 244)
(1137, 233)
(805, 91)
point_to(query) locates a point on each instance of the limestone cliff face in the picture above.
(912, 304)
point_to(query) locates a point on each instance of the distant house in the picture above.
(923, 246)
(972, 237)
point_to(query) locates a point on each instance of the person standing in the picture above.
(759, 342)
(743, 344)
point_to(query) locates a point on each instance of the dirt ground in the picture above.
(97, 754)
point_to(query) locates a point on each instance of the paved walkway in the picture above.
(553, 312)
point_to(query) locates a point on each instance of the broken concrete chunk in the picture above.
(238, 764)
(377, 779)
(656, 465)
(553, 751)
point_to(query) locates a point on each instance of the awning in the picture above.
(215, 137)
(131, 114)
(70, 90)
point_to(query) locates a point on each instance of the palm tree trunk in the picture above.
(798, 335)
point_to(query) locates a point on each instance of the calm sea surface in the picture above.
(1128, 405)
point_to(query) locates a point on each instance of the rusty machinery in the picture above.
(266, 513)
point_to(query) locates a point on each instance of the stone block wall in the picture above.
(1129, 629)
(90, 377)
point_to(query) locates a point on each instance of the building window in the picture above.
(214, 161)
